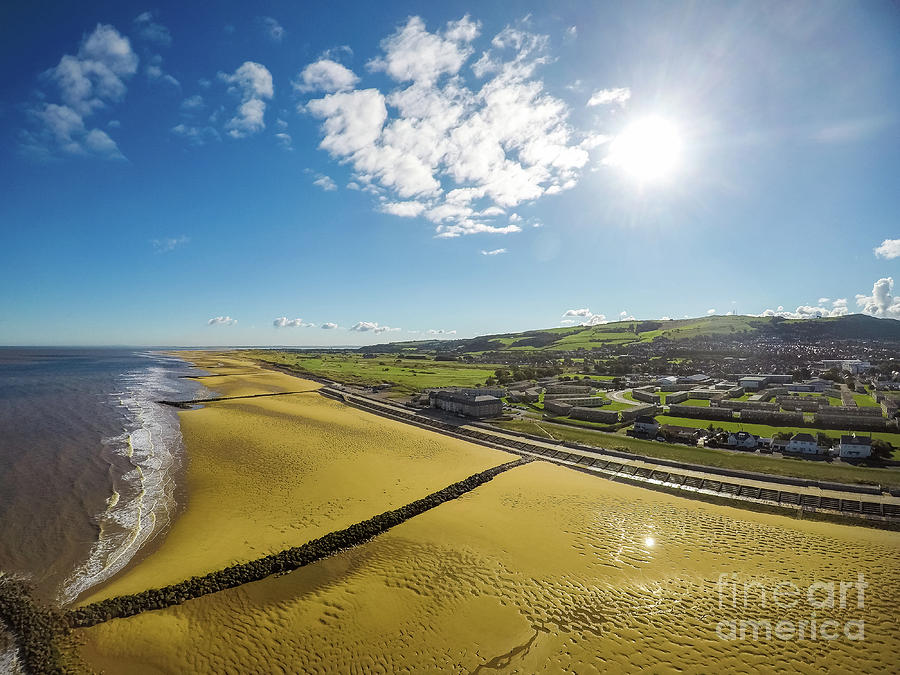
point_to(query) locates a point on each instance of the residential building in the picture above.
(804, 444)
(743, 440)
(855, 447)
(466, 403)
(646, 425)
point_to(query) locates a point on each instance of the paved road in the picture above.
(618, 397)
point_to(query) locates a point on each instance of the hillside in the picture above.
(854, 326)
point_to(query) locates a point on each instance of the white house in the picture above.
(804, 444)
(644, 424)
(742, 439)
(853, 446)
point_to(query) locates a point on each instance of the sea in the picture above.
(89, 461)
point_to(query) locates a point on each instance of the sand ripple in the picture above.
(541, 570)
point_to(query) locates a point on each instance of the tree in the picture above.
(881, 449)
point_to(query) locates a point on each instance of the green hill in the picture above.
(854, 326)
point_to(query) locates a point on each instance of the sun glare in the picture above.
(648, 150)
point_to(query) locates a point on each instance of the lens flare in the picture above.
(648, 150)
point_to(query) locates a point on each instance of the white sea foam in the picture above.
(9, 662)
(143, 504)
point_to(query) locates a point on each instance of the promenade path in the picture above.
(847, 501)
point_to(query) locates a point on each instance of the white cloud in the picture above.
(588, 318)
(221, 321)
(470, 227)
(619, 95)
(492, 211)
(328, 325)
(147, 29)
(325, 75)
(889, 249)
(412, 53)
(409, 209)
(285, 140)
(465, 155)
(366, 326)
(353, 120)
(252, 83)
(88, 82)
(595, 320)
(882, 302)
(192, 102)
(838, 308)
(441, 331)
(155, 73)
(710, 311)
(271, 28)
(169, 243)
(325, 182)
(284, 322)
(567, 322)
(196, 135)
(96, 76)
(496, 251)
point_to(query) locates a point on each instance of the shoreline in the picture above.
(172, 477)
(264, 473)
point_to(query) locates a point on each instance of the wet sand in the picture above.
(541, 570)
(264, 474)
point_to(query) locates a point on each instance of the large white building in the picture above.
(852, 366)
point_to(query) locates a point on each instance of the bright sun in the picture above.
(648, 149)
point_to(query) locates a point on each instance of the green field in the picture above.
(709, 456)
(811, 394)
(615, 405)
(865, 401)
(767, 431)
(702, 402)
(408, 375)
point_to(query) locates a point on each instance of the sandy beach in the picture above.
(267, 473)
(541, 570)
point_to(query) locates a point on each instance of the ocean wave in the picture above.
(9, 659)
(143, 460)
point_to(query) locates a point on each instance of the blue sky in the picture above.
(329, 174)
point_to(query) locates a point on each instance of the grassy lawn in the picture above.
(767, 431)
(709, 456)
(865, 401)
(615, 405)
(407, 374)
(831, 399)
(695, 401)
